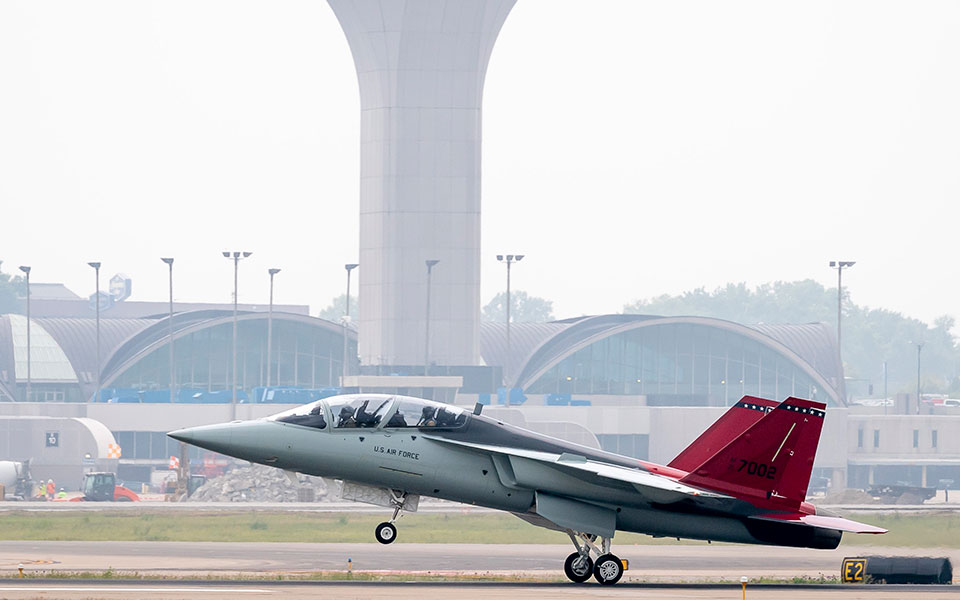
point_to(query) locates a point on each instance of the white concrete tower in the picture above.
(421, 66)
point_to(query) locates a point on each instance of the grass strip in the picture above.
(927, 530)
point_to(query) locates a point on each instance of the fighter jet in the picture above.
(743, 480)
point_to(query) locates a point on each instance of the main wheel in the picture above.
(386, 533)
(577, 567)
(608, 569)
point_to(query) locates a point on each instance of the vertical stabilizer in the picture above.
(724, 430)
(772, 459)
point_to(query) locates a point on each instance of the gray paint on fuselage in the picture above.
(399, 459)
(404, 459)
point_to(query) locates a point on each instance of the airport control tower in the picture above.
(421, 67)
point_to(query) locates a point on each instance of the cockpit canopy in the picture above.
(368, 411)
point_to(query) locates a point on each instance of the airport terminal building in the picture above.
(638, 385)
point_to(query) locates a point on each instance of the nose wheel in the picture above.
(386, 532)
(578, 567)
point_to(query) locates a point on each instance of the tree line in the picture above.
(870, 335)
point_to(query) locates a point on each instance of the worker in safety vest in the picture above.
(51, 490)
(62, 494)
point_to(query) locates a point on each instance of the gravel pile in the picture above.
(258, 483)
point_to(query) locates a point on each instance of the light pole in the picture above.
(173, 396)
(96, 268)
(235, 257)
(509, 259)
(346, 318)
(26, 272)
(431, 263)
(840, 266)
(272, 272)
(919, 348)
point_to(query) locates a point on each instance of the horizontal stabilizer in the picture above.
(838, 523)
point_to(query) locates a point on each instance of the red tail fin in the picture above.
(724, 430)
(772, 459)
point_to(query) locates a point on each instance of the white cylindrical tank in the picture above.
(9, 472)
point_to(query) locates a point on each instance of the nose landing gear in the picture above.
(386, 532)
(608, 568)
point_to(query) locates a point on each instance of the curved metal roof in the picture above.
(73, 342)
(78, 340)
(524, 339)
(157, 333)
(814, 342)
(535, 347)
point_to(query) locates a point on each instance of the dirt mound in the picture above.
(910, 498)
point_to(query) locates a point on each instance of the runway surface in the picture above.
(649, 563)
(233, 591)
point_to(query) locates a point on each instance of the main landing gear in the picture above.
(386, 532)
(607, 568)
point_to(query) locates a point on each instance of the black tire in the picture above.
(576, 570)
(386, 533)
(608, 569)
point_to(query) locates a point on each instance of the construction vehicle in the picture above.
(102, 487)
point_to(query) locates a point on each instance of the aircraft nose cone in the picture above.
(182, 435)
(212, 437)
(255, 441)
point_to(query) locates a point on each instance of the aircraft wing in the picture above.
(655, 487)
(838, 523)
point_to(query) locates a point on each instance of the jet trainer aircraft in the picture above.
(743, 480)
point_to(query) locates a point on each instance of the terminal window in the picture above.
(916, 438)
(933, 438)
(876, 438)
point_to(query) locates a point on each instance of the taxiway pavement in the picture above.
(649, 563)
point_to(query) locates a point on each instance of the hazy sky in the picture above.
(631, 148)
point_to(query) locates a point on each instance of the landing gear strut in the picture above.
(607, 569)
(386, 532)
